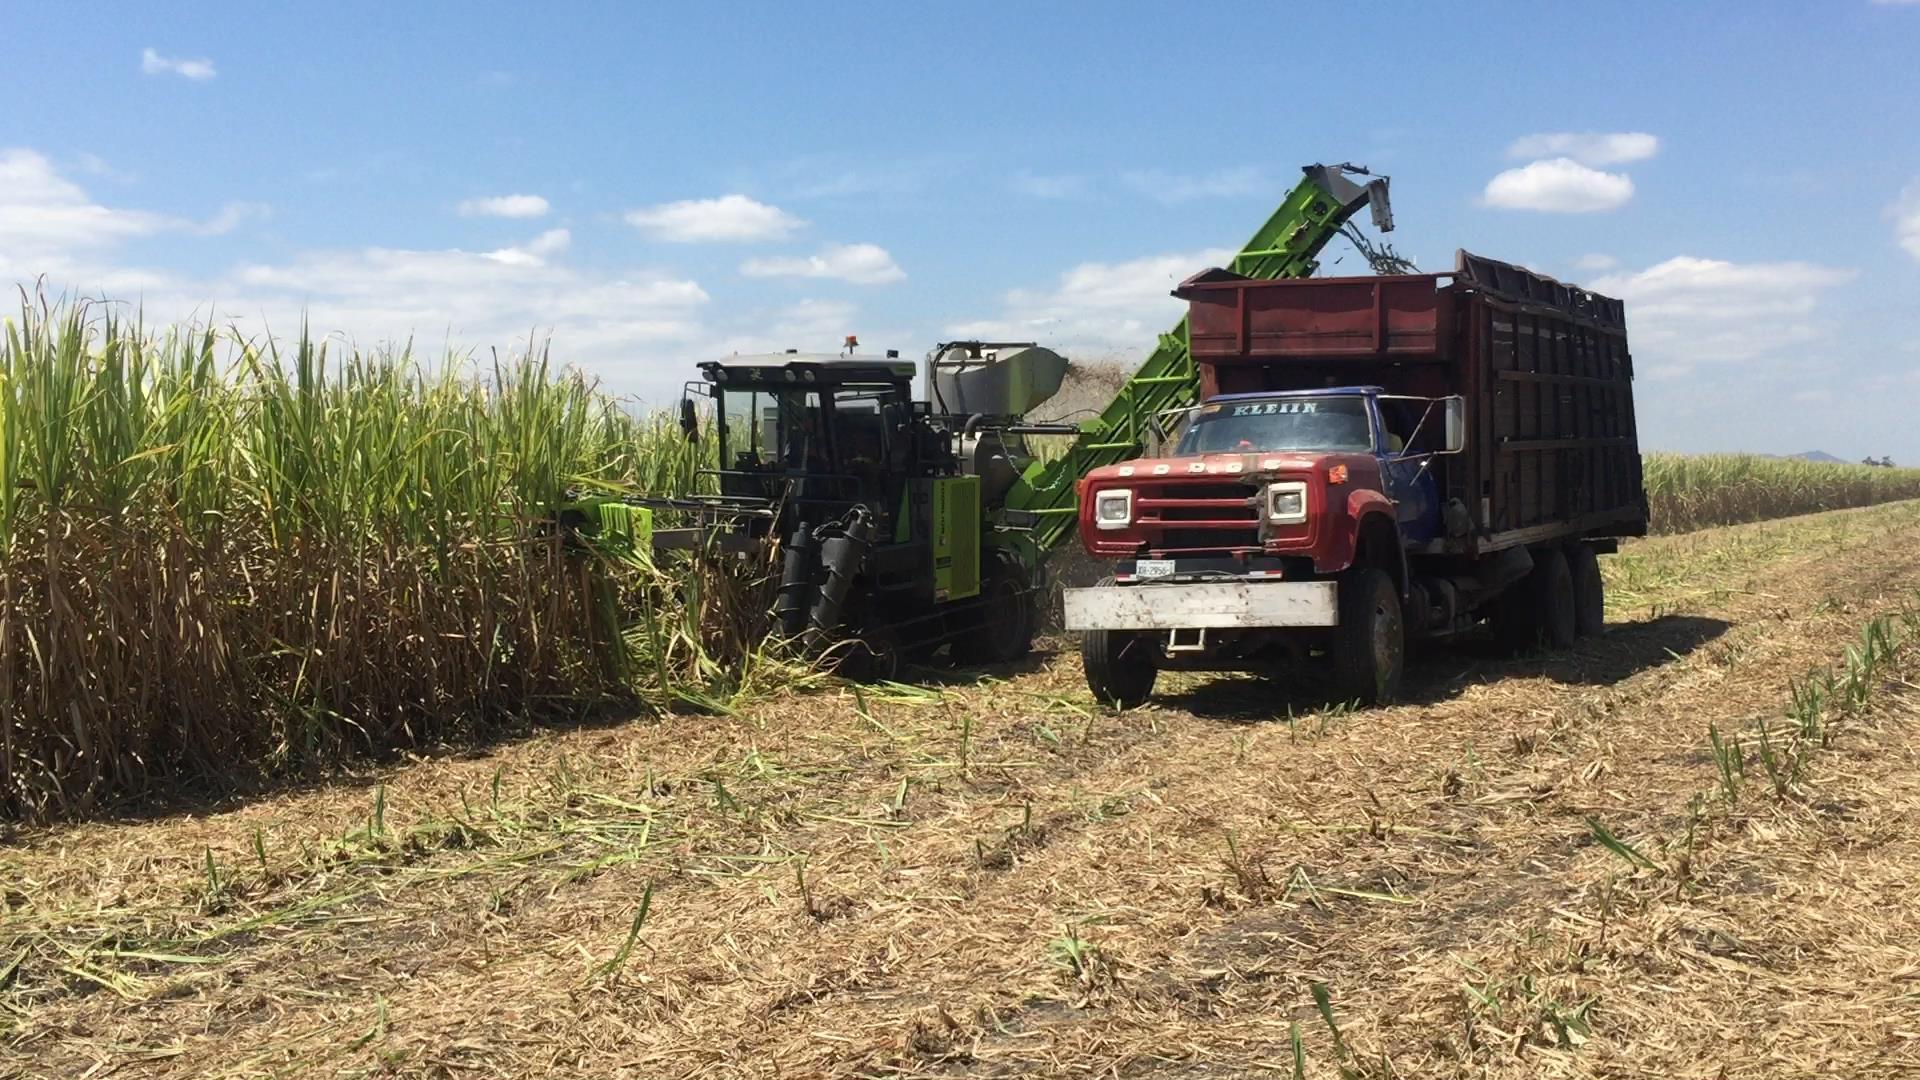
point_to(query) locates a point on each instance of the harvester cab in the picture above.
(889, 512)
(815, 434)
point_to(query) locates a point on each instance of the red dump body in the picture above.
(1551, 450)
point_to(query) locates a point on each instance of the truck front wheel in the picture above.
(1120, 664)
(1370, 644)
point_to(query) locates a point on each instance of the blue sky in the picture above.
(651, 185)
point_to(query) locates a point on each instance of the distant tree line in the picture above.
(1881, 463)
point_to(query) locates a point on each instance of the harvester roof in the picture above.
(798, 367)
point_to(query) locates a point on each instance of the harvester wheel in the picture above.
(1589, 593)
(1370, 644)
(864, 651)
(1005, 631)
(1121, 665)
(863, 660)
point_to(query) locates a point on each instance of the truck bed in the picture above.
(1552, 448)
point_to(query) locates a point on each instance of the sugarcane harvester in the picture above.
(888, 512)
(904, 525)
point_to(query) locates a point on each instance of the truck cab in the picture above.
(1249, 519)
(1260, 480)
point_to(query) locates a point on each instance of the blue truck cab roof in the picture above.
(1325, 391)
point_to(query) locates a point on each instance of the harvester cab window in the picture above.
(871, 447)
(773, 430)
(799, 431)
(740, 428)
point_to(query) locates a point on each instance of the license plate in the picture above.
(1153, 568)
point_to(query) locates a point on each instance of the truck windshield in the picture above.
(1295, 423)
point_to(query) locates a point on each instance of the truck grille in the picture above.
(1198, 515)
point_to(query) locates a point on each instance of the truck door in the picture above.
(1406, 470)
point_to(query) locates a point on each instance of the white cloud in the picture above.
(534, 252)
(1186, 187)
(862, 264)
(474, 299)
(809, 326)
(469, 300)
(1688, 311)
(1595, 263)
(233, 215)
(49, 224)
(1587, 147)
(45, 218)
(1558, 185)
(727, 218)
(95, 165)
(1103, 306)
(1905, 213)
(153, 63)
(1047, 187)
(505, 206)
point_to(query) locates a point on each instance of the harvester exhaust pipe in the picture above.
(843, 556)
(795, 595)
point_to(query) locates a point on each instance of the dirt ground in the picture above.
(991, 876)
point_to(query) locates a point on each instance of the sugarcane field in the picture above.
(668, 543)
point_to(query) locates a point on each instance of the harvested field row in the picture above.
(998, 878)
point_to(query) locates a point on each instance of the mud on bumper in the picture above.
(1211, 605)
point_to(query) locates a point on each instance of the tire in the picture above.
(1515, 628)
(1120, 665)
(1589, 592)
(1005, 630)
(864, 660)
(1558, 618)
(1538, 610)
(865, 653)
(1370, 644)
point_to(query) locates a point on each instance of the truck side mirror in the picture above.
(1456, 424)
(689, 419)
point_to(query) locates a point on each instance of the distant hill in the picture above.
(1816, 455)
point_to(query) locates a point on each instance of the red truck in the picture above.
(1374, 460)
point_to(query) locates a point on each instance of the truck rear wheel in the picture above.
(1589, 592)
(1539, 609)
(1120, 665)
(1370, 644)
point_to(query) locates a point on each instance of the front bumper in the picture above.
(1210, 605)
